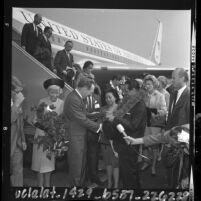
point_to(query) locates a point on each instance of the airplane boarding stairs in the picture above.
(32, 73)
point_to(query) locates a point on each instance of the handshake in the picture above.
(129, 140)
(133, 141)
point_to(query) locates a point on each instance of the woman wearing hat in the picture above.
(18, 142)
(40, 163)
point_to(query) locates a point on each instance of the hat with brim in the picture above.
(53, 81)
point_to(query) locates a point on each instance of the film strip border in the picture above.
(193, 104)
(76, 193)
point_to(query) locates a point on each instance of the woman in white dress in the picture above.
(40, 163)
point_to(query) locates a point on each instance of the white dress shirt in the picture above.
(100, 127)
(35, 29)
(180, 91)
(79, 93)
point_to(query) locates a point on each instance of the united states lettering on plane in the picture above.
(83, 42)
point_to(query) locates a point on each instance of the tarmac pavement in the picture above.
(60, 178)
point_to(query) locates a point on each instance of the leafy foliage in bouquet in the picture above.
(180, 145)
(54, 140)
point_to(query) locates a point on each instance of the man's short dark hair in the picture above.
(68, 41)
(85, 82)
(47, 28)
(37, 15)
(132, 83)
(87, 64)
(116, 77)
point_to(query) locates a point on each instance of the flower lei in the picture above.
(54, 140)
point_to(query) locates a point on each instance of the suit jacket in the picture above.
(93, 105)
(77, 125)
(29, 37)
(134, 123)
(75, 114)
(181, 112)
(178, 116)
(61, 61)
(43, 52)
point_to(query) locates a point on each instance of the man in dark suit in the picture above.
(179, 110)
(64, 62)
(132, 114)
(77, 126)
(30, 34)
(178, 114)
(43, 52)
(93, 106)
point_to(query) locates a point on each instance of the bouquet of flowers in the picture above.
(179, 139)
(52, 124)
(180, 136)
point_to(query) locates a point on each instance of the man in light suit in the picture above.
(43, 51)
(64, 62)
(30, 34)
(77, 126)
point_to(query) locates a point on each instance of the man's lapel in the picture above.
(181, 100)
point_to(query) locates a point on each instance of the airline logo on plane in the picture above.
(23, 16)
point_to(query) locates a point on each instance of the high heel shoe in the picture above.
(144, 167)
(153, 171)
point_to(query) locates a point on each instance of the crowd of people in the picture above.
(126, 121)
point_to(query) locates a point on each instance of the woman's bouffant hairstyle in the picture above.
(153, 79)
(114, 92)
(163, 81)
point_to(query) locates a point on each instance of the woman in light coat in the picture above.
(157, 110)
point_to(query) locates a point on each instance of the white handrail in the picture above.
(38, 63)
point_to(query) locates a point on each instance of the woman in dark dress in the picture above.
(110, 155)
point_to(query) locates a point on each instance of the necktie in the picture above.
(36, 30)
(174, 99)
(89, 101)
(90, 97)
